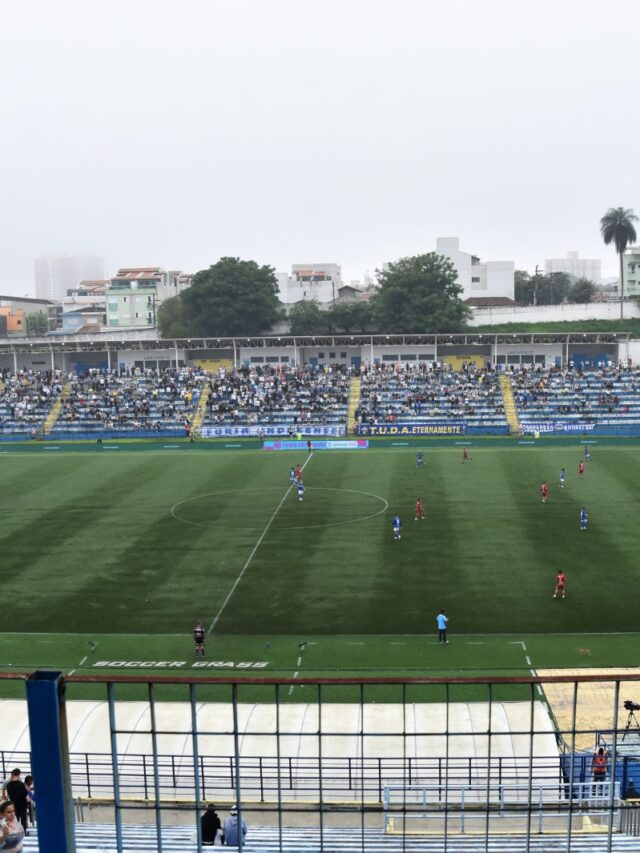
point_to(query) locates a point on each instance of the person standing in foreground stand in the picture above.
(442, 620)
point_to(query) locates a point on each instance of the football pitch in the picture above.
(108, 560)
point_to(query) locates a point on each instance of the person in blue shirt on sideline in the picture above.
(442, 620)
(584, 519)
(419, 459)
(396, 524)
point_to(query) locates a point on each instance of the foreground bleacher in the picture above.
(261, 839)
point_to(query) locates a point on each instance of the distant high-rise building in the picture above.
(58, 273)
(575, 266)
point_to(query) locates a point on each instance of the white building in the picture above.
(631, 272)
(55, 274)
(135, 294)
(316, 282)
(488, 279)
(575, 266)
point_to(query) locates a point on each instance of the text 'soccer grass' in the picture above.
(108, 561)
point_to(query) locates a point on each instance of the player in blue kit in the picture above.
(396, 524)
(292, 476)
(562, 478)
(419, 459)
(584, 519)
(587, 454)
(300, 490)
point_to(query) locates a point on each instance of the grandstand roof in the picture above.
(134, 339)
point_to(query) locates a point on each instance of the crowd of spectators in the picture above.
(26, 397)
(147, 400)
(594, 394)
(151, 401)
(424, 391)
(267, 395)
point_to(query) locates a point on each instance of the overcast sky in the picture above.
(286, 131)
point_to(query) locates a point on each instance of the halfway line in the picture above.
(255, 548)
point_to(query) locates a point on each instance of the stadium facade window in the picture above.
(513, 359)
(501, 359)
(343, 355)
(425, 356)
(408, 357)
(332, 355)
(391, 357)
(284, 359)
(257, 359)
(539, 359)
(272, 359)
(320, 355)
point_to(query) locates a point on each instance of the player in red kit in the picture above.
(561, 582)
(298, 472)
(465, 455)
(581, 469)
(419, 515)
(544, 491)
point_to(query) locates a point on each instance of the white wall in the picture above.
(552, 313)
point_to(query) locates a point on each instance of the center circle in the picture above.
(229, 507)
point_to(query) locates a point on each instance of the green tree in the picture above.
(553, 289)
(307, 318)
(582, 290)
(617, 227)
(37, 324)
(232, 297)
(524, 287)
(171, 320)
(419, 294)
(349, 317)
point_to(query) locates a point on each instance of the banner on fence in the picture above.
(549, 426)
(402, 428)
(331, 444)
(223, 431)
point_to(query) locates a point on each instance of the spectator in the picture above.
(599, 765)
(211, 826)
(232, 829)
(17, 793)
(31, 799)
(11, 831)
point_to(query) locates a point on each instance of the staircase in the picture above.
(510, 411)
(354, 402)
(265, 839)
(201, 409)
(54, 411)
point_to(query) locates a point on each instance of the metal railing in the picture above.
(537, 792)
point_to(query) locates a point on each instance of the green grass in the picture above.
(129, 551)
(631, 325)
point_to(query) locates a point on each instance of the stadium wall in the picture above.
(553, 313)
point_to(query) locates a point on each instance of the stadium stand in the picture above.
(26, 399)
(267, 396)
(266, 839)
(423, 394)
(607, 398)
(153, 402)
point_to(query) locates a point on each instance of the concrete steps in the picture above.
(510, 410)
(355, 390)
(99, 837)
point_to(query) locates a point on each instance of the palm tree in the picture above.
(616, 226)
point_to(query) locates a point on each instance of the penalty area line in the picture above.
(252, 554)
